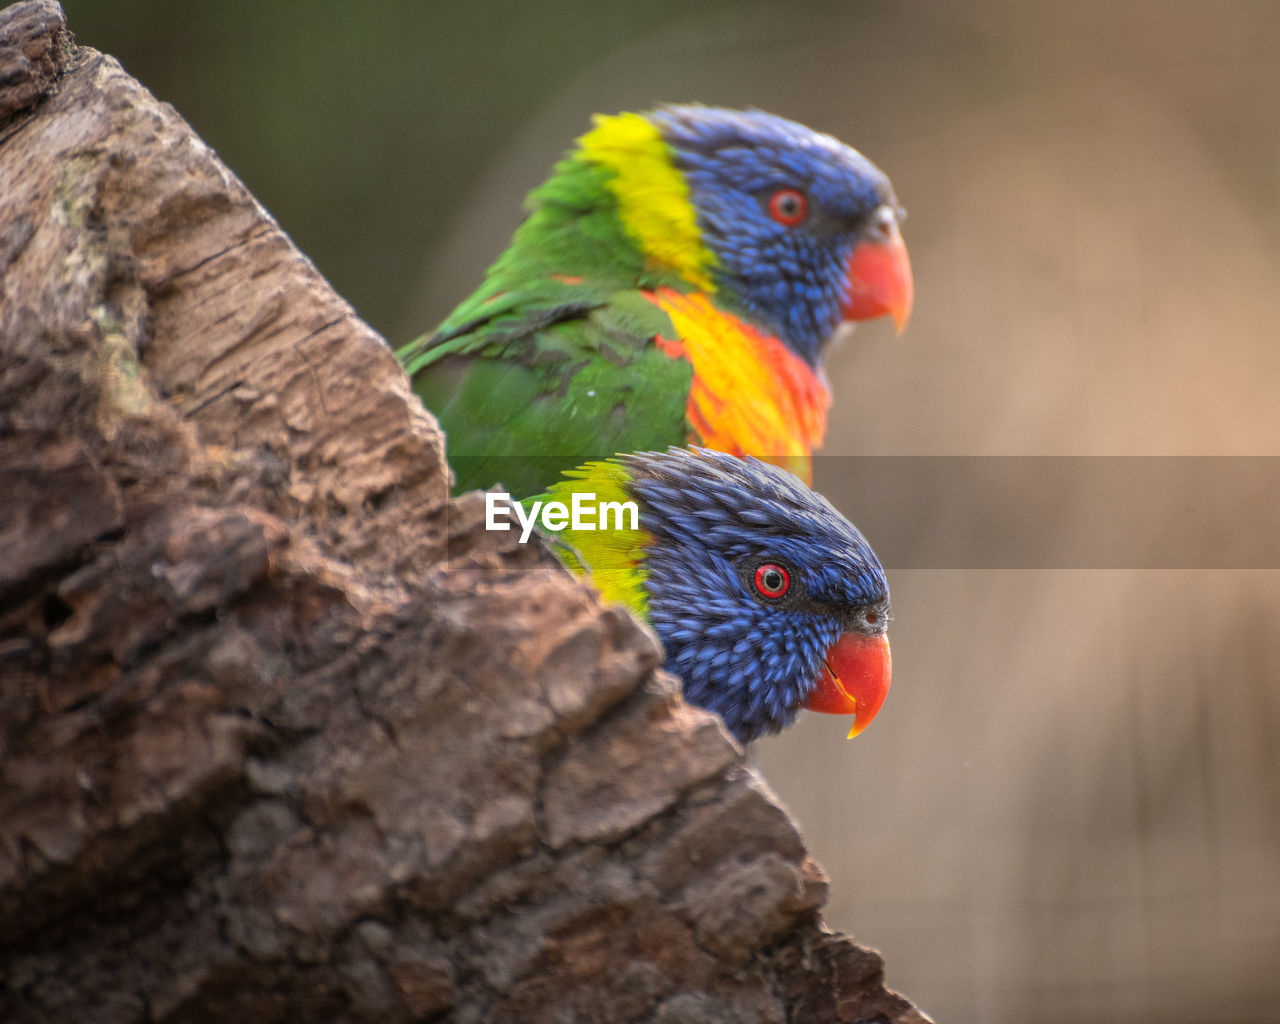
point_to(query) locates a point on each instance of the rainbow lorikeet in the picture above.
(677, 281)
(766, 599)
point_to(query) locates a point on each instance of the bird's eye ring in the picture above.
(772, 581)
(788, 207)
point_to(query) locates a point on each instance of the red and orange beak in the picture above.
(880, 279)
(854, 680)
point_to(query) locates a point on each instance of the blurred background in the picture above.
(1069, 808)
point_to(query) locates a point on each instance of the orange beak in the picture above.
(880, 280)
(854, 680)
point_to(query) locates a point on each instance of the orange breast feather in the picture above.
(750, 394)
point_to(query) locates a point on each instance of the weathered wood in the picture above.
(285, 734)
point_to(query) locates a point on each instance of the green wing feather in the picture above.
(552, 362)
(528, 395)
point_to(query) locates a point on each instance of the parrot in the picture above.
(676, 281)
(765, 598)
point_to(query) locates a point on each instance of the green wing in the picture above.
(530, 382)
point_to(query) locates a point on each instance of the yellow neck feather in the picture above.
(611, 557)
(653, 197)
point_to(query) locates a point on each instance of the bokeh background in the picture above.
(1069, 809)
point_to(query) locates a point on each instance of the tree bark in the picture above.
(285, 733)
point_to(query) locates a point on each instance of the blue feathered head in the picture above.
(765, 597)
(805, 230)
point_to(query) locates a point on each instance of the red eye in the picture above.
(788, 207)
(772, 581)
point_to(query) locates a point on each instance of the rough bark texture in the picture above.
(284, 733)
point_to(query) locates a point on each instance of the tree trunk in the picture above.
(285, 733)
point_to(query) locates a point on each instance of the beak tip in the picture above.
(856, 679)
(881, 282)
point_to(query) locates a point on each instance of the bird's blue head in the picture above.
(766, 599)
(804, 229)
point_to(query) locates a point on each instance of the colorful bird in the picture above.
(677, 281)
(766, 599)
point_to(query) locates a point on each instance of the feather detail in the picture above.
(652, 196)
(611, 553)
(750, 394)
